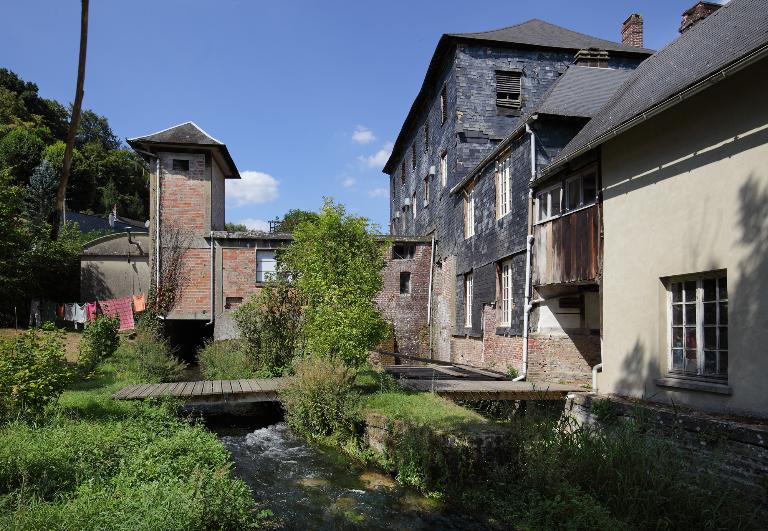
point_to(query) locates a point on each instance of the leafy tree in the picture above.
(40, 193)
(296, 216)
(235, 227)
(20, 151)
(336, 265)
(95, 129)
(20, 105)
(14, 242)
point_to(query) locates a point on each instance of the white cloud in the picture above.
(378, 159)
(255, 224)
(349, 182)
(363, 135)
(254, 187)
(378, 192)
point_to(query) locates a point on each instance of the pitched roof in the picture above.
(186, 134)
(723, 40)
(535, 32)
(579, 93)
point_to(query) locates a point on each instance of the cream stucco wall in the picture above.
(687, 192)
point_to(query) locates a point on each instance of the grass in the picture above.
(422, 409)
(71, 341)
(97, 463)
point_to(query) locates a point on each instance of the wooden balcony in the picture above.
(567, 249)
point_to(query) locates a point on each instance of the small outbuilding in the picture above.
(115, 266)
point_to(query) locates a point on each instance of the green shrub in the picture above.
(319, 399)
(269, 326)
(150, 357)
(100, 340)
(33, 372)
(224, 360)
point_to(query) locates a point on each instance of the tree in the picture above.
(14, 241)
(62, 190)
(336, 265)
(95, 129)
(235, 227)
(40, 194)
(296, 216)
(20, 152)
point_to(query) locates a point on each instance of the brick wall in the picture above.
(407, 312)
(239, 272)
(562, 357)
(185, 198)
(493, 350)
(196, 294)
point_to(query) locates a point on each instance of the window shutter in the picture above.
(508, 89)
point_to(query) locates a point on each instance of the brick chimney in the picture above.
(699, 11)
(632, 31)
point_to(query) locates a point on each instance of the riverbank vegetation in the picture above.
(84, 461)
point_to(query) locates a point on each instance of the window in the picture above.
(426, 137)
(468, 300)
(505, 308)
(548, 203)
(180, 165)
(443, 106)
(413, 157)
(508, 92)
(469, 212)
(402, 173)
(232, 302)
(444, 168)
(581, 190)
(413, 204)
(405, 283)
(403, 251)
(265, 265)
(503, 188)
(426, 190)
(698, 322)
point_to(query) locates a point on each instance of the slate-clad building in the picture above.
(444, 167)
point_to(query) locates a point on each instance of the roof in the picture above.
(579, 93)
(532, 33)
(727, 39)
(186, 134)
(122, 244)
(88, 222)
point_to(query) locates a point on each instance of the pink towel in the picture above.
(90, 311)
(120, 308)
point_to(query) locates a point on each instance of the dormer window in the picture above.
(508, 90)
(180, 165)
(592, 57)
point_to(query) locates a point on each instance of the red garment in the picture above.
(60, 311)
(138, 303)
(120, 308)
(90, 311)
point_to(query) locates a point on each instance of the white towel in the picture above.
(79, 314)
(69, 311)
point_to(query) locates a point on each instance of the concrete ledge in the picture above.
(694, 385)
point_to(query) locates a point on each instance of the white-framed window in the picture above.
(698, 325)
(426, 190)
(469, 212)
(468, 300)
(443, 106)
(580, 190)
(413, 204)
(503, 188)
(265, 265)
(444, 168)
(505, 293)
(548, 203)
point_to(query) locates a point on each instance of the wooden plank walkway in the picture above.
(259, 390)
(491, 390)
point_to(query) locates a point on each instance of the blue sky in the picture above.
(307, 95)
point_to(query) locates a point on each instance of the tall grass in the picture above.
(225, 360)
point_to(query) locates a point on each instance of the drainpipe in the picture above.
(597, 368)
(157, 227)
(429, 296)
(213, 285)
(528, 258)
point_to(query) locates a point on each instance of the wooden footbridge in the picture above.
(458, 382)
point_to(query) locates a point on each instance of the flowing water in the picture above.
(310, 488)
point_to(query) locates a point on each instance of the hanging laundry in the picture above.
(120, 308)
(69, 311)
(60, 311)
(90, 311)
(139, 304)
(35, 319)
(48, 311)
(80, 314)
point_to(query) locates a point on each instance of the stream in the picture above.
(310, 488)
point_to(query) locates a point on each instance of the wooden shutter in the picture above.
(508, 89)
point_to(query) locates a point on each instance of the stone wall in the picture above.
(736, 450)
(494, 350)
(563, 358)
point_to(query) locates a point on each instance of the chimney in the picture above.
(699, 11)
(632, 31)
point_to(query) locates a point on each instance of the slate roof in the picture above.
(579, 93)
(186, 134)
(537, 32)
(532, 33)
(88, 222)
(726, 36)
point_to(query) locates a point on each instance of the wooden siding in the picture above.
(567, 249)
